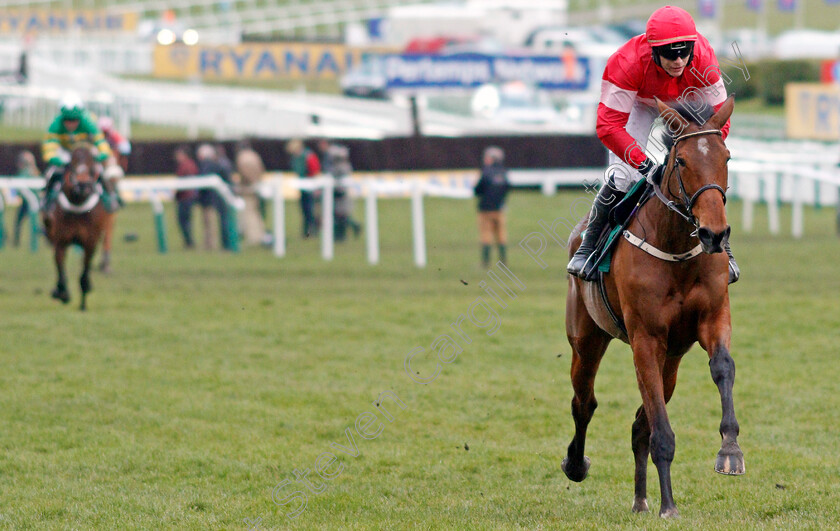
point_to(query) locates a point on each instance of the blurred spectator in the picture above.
(305, 164)
(322, 148)
(222, 158)
(186, 167)
(338, 158)
(208, 164)
(250, 167)
(26, 168)
(491, 190)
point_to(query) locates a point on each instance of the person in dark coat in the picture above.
(491, 190)
(186, 167)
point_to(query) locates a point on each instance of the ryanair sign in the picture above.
(256, 61)
(62, 21)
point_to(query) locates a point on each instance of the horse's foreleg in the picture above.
(84, 280)
(730, 458)
(60, 291)
(641, 451)
(649, 358)
(714, 338)
(105, 263)
(641, 435)
(586, 357)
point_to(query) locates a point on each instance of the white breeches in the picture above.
(639, 126)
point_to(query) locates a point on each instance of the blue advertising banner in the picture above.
(787, 5)
(473, 70)
(754, 5)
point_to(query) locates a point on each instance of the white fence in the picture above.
(152, 190)
(371, 190)
(794, 173)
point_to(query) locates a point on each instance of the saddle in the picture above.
(619, 219)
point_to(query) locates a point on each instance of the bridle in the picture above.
(71, 174)
(686, 205)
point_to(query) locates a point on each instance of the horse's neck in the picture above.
(665, 229)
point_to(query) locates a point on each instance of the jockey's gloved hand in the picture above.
(652, 171)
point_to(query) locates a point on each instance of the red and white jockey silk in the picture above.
(631, 76)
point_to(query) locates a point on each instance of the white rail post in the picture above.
(748, 214)
(773, 198)
(549, 187)
(279, 219)
(327, 243)
(418, 225)
(372, 222)
(796, 222)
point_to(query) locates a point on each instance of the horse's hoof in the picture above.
(640, 505)
(669, 513)
(730, 463)
(105, 268)
(576, 474)
(61, 295)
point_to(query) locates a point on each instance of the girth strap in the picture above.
(602, 289)
(653, 251)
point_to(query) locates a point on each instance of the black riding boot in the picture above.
(606, 199)
(51, 189)
(734, 272)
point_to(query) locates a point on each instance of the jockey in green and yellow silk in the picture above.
(73, 126)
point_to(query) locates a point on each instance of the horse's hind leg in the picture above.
(60, 292)
(641, 436)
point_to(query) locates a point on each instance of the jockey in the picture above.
(116, 165)
(670, 60)
(72, 126)
(120, 145)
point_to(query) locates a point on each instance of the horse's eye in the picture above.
(681, 161)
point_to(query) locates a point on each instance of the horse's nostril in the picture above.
(705, 235)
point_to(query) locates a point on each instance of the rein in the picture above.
(686, 204)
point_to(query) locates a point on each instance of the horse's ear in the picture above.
(675, 123)
(723, 113)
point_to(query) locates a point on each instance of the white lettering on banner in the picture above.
(426, 70)
(533, 71)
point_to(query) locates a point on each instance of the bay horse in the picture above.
(79, 217)
(662, 307)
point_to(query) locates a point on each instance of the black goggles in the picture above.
(675, 50)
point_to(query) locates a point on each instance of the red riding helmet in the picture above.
(670, 24)
(670, 31)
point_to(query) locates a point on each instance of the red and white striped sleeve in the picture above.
(617, 97)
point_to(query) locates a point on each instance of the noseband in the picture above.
(686, 205)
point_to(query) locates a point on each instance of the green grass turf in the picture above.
(197, 381)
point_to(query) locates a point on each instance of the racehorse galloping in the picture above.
(78, 218)
(664, 306)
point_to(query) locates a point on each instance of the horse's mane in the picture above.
(694, 112)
